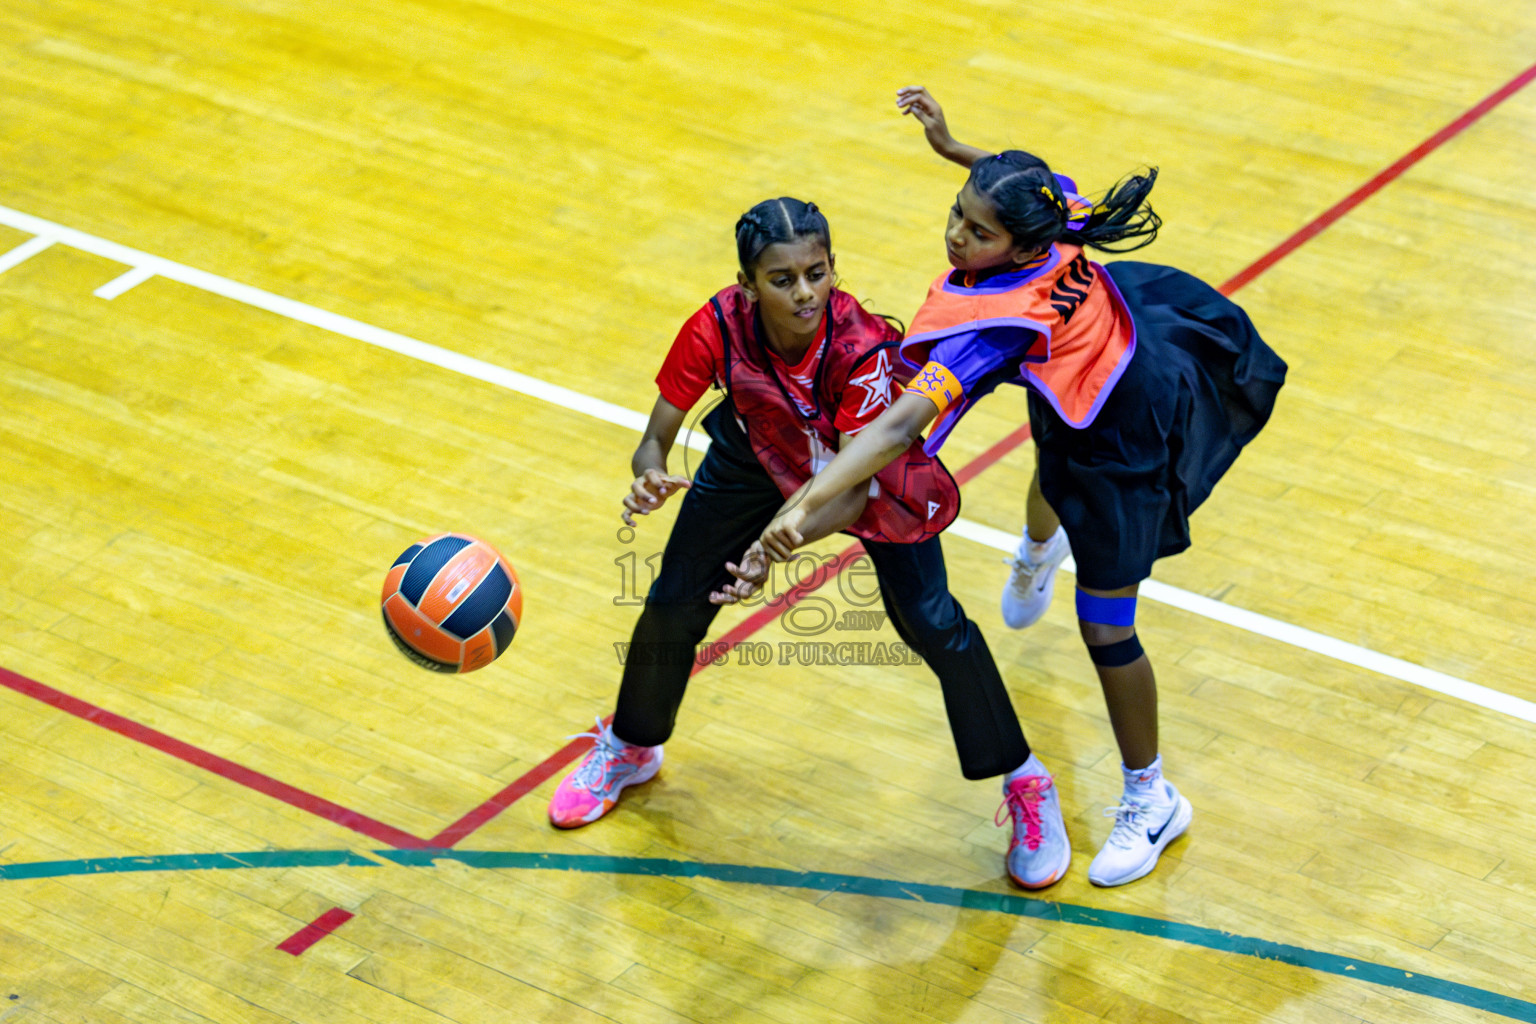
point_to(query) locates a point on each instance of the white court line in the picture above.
(25, 251)
(115, 287)
(315, 317)
(1296, 636)
(1274, 629)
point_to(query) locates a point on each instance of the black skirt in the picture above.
(1201, 384)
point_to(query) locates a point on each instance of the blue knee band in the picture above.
(1106, 611)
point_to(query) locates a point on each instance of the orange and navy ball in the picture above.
(452, 603)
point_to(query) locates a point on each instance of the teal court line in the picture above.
(884, 888)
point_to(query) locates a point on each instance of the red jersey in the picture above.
(694, 365)
(792, 415)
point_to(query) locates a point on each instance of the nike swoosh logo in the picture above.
(1153, 837)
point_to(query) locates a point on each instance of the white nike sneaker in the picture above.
(1028, 592)
(1142, 829)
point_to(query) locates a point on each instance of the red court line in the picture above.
(515, 791)
(1376, 184)
(987, 459)
(212, 762)
(312, 933)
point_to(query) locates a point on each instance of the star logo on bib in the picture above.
(876, 384)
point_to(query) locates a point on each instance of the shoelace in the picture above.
(1023, 574)
(1127, 822)
(1023, 805)
(1024, 571)
(605, 750)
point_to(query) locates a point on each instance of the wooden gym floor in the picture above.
(217, 778)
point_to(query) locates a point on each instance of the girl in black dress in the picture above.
(1144, 384)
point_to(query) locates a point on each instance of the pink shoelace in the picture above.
(1022, 803)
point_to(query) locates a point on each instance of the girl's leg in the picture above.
(1130, 688)
(657, 667)
(1042, 521)
(914, 586)
(988, 738)
(730, 503)
(1152, 813)
(1027, 594)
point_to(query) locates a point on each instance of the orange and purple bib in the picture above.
(1061, 315)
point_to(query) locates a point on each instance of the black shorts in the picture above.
(1201, 384)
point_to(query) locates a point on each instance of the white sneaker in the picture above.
(1028, 592)
(1142, 829)
(1039, 853)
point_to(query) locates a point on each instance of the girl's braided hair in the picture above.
(777, 220)
(1030, 203)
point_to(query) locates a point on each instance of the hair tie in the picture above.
(811, 208)
(1078, 219)
(1045, 190)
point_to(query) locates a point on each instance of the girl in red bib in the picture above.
(804, 369)
(1144, 384)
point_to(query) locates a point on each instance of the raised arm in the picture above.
(914, 100)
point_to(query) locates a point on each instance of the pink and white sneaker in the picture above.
(1039, 853)
(592, 788)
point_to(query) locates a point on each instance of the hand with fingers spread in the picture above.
(650, 491)
(750, 575)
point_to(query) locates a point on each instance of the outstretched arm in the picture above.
(875, 447)
(839, 513)
(914, 100)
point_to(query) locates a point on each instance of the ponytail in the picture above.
(1123, 214)
(1031, 205)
